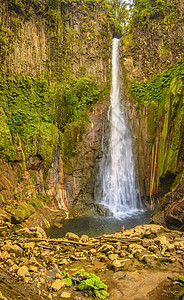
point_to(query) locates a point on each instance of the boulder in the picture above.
(23, 271)
(58, 284)
(72, 236)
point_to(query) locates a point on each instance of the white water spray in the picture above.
(117, 169)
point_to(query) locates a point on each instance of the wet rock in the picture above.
(72, 236)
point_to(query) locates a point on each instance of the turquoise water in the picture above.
(96, 226)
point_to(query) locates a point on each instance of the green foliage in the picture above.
(180, 281)
(155, 90)
(72, 136)
(144, 10)
(73, 99)
(89, 283)
(35, 202)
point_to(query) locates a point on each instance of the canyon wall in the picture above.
(55, 73)
(152, 66)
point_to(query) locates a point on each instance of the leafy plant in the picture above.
(87, 282)
(180, 281)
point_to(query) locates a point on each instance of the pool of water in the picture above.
(97, 225)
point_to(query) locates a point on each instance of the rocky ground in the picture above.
(138, 264)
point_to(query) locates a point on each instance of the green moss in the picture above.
(6, 145)
(22, 212)
(35, 202)
(152, 110)
(73, 136)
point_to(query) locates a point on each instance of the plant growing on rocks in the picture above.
(87, 282)
(180, 281)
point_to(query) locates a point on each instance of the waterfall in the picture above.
(119, 193)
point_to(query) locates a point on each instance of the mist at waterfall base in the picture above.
(116, 188)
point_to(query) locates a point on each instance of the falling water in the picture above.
(117, 168)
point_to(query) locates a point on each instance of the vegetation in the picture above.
(87, 282)
(180, 281)
(39, 114)
(146, 10)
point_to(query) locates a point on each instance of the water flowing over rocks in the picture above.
(136, 264)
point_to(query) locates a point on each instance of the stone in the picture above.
(145, 243)
(38, 232)
(29, 245)
(153, 248)
(136, 248)
(25, 232)
(23, 271)
(150, 260)
(106, 248)
(57, 285)
(116, 263)
(72, 236)
(63, 262)
(84, 239)
(65, 295)
(113, 256)
(92, 251)
(33, 268)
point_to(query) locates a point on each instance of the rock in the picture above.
(2, 297)
(113, 256)
(4, 256)
(29, 245)
(38, 232)
(58, 225)
(136, 248)
(179, 245)
(116, 264)
(145, 243)
(33, 268)
(72, 236)
(63, 262)
(25, 232)
(23, 271)
(150, 260)
(103, 258)
(84, 239)
(34, 261)
(58, 284)
(106, 248)
(65, 295)
(92, 251)
(153, 248)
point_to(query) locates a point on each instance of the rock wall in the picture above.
(152, 63)
(45, 48)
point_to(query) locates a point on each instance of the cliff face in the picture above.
(56, 41)
(152, 63)
(55, 66)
